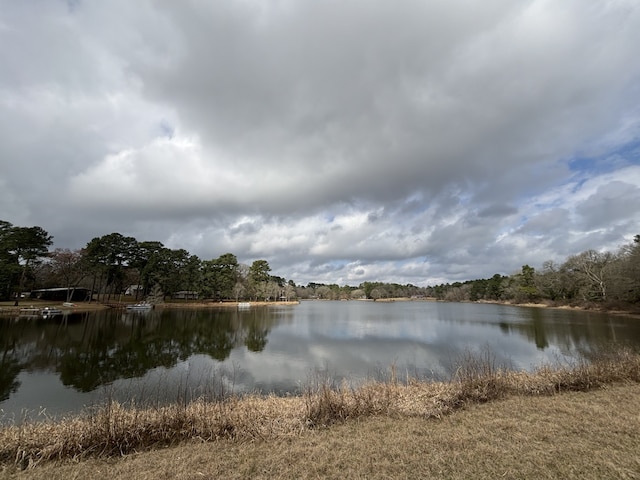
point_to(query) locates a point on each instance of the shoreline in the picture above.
(7, 308)
(591, 308)
(577, 308)
(226, 304)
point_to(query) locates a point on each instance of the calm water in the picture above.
(57, 367)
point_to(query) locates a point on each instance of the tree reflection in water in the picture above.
(92, 350)
(9, 370)
(10, 366)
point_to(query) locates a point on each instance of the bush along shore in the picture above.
(115, 430)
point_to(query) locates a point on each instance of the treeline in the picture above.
(605, 278)
(366, 290)
(591, 277)
(114, 264)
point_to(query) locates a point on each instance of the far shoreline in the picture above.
(8, 307)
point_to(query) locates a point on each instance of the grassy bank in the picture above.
(113, 431)
(8, 308)
(572, 435)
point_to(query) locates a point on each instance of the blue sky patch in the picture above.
(627, 154)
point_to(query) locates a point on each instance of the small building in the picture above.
(186, 295)
(133, 290)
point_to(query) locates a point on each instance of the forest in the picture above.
(114, 265)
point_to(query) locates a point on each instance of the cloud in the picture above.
(349, 141)
(612, 202)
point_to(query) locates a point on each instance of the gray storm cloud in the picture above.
(408, 140)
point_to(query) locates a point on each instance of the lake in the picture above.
(58, 366)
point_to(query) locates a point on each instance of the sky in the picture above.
(342, 141)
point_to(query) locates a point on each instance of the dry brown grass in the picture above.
(572, 435)
(113, 431)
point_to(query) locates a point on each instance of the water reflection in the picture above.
(93, 349)
(63, 363)
(9, 370)
(573, 331)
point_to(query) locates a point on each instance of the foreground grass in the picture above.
(591, 435)
(385, 429)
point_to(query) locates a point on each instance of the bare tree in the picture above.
(69, 267)
(595, 270)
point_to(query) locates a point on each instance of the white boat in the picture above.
(140, 307)
(244, 305)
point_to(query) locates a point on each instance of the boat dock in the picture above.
(31, 312)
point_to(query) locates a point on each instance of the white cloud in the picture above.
(168, 174)
(341, 141)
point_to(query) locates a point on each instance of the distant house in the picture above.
(133, 290)
(186, 295)
(62, 294)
